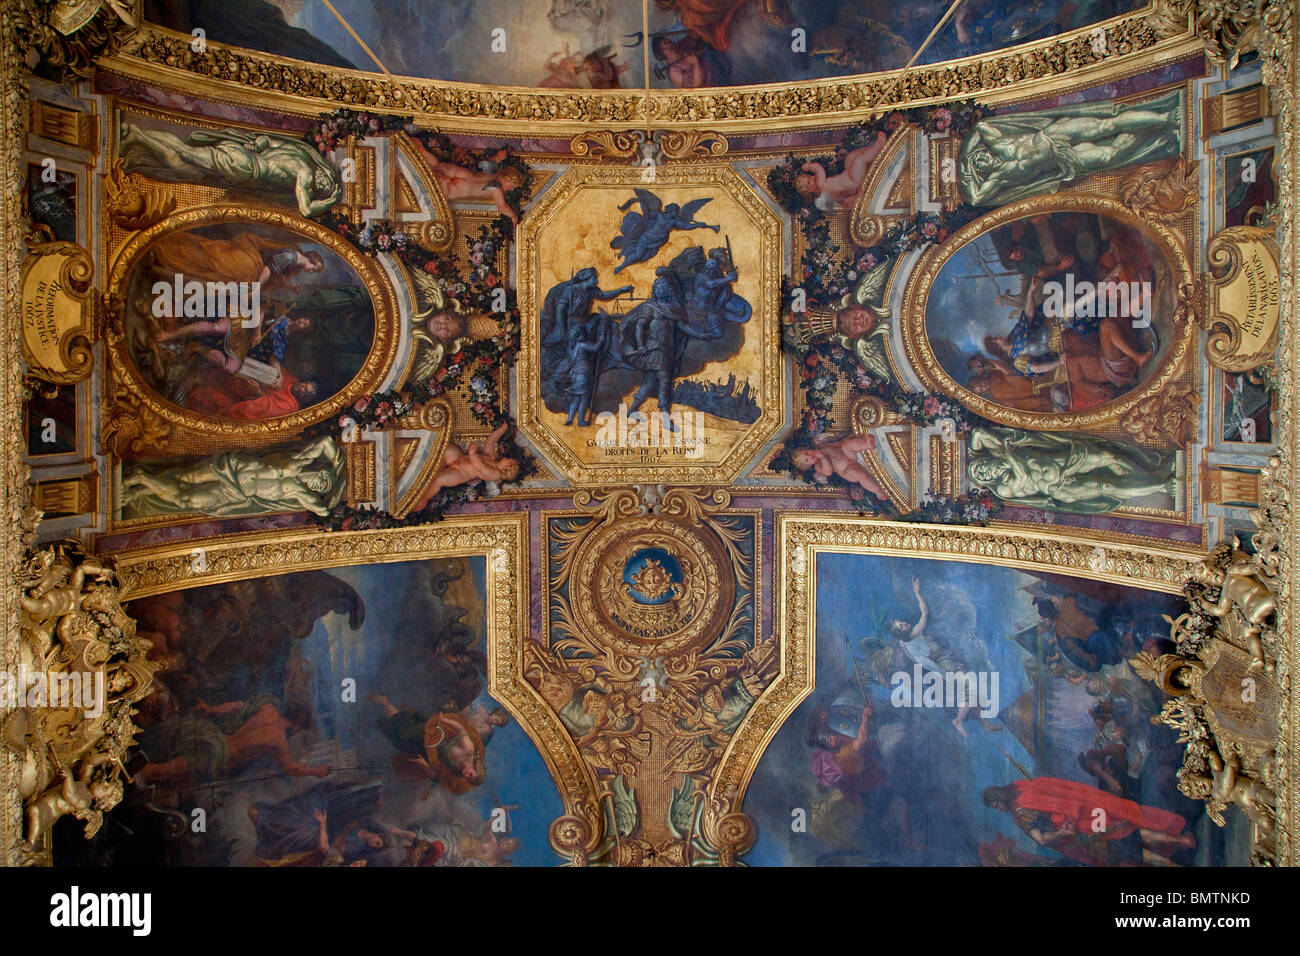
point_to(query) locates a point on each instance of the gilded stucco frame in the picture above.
(379, 360)
(501, 539)
(920, 354)
(764, 323)
(802, 536)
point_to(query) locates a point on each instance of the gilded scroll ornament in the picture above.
(1161, 195)
(691, 144)
(1166, 418)
(71, 34)
(1244, 298)
(601, 143)
(58, 312)
(436, 232)
(133, 206)
(652, 666)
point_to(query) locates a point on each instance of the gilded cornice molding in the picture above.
(1280, 67)
(163, 56)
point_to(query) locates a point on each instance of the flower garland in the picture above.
(955, 119)
(471, 281)
(826, 274)
(333, 129)
(820, 367)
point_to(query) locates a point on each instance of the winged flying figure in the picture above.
(644, 233)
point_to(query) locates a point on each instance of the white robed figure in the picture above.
(944, 641)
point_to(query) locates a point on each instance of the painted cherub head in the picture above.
(510, 178)
(805, 459)
(805, 184)
(446, 327)
(855, 320)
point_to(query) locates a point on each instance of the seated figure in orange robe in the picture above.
(244, 400)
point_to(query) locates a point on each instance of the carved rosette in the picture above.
(651, 663)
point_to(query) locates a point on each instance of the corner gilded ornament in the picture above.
(69, 35)
(69, 706)
(1227, 681)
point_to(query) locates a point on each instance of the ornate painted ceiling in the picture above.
(702, 432)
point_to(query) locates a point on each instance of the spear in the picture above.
(862, 687)
(1015, 763)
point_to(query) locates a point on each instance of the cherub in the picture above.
(52, 596)
(55, 587)
(595, 71)
(840, 458)
(1231, 786)
(830, 192)
(1239, 581)
(491, 178)
(85, 796)
(480, 460)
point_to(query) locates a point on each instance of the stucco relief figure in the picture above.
(1010, 157)
(234, 483)
(235, 159)
(1058, 471)
(1238, 577)
(85, 795)
(569, 304)
(644, 233)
